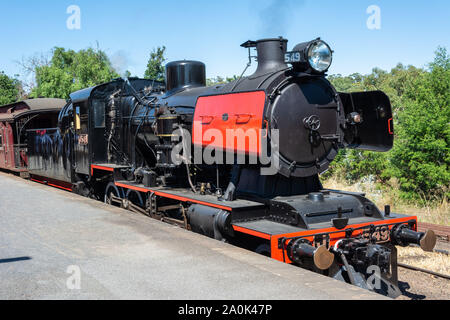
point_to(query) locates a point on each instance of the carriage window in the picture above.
(1, 141)
(99, 113)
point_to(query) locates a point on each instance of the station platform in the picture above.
(57, 245)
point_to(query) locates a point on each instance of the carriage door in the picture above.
(81, 141)
(3, 160)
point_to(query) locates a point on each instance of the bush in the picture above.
(421, 104)
(352, 165)
(421, 155)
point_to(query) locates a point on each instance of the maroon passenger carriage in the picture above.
(15, 120)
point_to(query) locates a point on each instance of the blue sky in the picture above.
(211, 31)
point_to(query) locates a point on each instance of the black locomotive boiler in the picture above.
(116, 142)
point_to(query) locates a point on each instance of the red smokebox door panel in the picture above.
(241, 114)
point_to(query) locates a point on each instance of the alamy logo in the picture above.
(74, 20)
(74, 280)
(376, 282)
(374, 20)
(216, 145)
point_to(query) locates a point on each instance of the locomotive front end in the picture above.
(340, 234)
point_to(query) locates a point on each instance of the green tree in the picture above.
(394, 83)
(351, 83)
(421, 156)
(155, 66)
(421, 105)
(352, 165)
(220, 80)
(9, 89)
(70, 71)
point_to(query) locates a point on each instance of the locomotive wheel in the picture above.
(112, 190)
(135, 197)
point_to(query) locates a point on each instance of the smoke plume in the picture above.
(120, 63)
(275, 18)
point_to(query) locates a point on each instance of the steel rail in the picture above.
(437, 274)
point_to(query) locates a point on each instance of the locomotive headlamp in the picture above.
(315, 56)
(320, 56)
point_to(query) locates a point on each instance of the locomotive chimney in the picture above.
(270, 54)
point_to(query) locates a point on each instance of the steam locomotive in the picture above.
(262, 140)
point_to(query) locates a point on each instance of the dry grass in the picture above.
(434, 261)
(431, 212)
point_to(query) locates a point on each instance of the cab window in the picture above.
(99, 113)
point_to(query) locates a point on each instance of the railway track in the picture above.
(442, 232)
(436, 274)
(443, 236)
